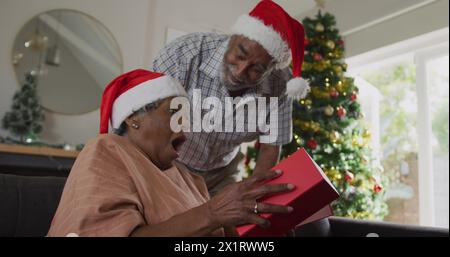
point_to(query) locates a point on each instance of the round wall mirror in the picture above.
(73, 57)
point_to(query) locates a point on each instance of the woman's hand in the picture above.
(235, 205)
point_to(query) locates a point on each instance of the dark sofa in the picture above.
(27, 206)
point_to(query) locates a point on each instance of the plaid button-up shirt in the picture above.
(196, 61)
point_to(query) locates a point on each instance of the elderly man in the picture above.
(251, 62)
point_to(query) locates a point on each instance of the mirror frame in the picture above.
(18, 82)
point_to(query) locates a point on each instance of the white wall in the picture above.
(127, 21)
(192, 16)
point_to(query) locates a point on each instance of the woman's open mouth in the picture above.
(177, 142)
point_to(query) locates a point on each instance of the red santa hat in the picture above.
(131, 91)
(281, 36)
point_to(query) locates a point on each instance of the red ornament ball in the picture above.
(353, 97)
(340, 42)
(377, 188)
(349, 176)
(334, 93)
(341, 112)
(317, 57)
(307, 42)
(312, 144)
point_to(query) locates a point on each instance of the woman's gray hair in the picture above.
(122, 130)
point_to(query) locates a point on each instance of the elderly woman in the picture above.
(126, 183)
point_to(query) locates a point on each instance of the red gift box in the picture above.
(310, 199)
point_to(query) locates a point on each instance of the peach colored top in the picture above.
(113, 188)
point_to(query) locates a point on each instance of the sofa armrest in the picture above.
(27, 204)
(341, 227)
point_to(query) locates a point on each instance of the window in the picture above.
(438, 92)
(411, 84)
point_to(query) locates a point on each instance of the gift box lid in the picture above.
(302, 171)
(313, 191)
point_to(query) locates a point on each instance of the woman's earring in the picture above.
(135, 126)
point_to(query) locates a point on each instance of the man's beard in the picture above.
(227, 78)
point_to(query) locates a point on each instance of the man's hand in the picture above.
(236, 204)
(268, 157)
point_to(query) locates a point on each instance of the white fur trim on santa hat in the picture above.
(297, 88)
(270, 39)
(145, 93)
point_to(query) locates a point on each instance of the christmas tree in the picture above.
(328, 124)
(26, 115)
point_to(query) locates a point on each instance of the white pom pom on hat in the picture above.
(297, 88)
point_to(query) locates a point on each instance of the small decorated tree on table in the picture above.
(26, 116)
